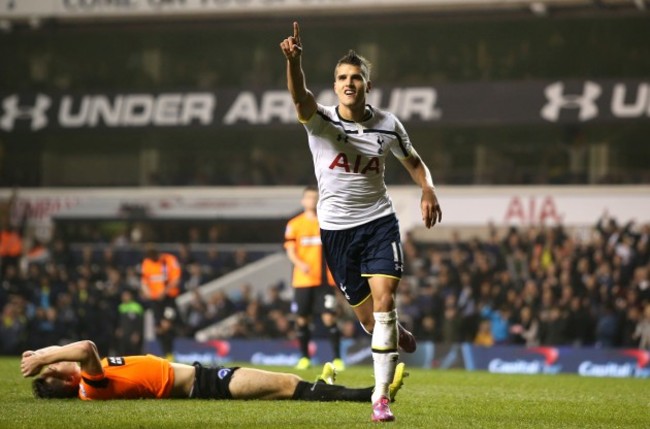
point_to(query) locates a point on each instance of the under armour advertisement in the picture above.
(478, 103)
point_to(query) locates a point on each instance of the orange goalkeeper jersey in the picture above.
(303, 234)
(129, 377)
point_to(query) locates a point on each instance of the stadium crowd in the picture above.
(527, 285)
(533, 286)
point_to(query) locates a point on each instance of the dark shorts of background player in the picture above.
(353, 255)
(313, 300)
(164, 309)
(212, 382)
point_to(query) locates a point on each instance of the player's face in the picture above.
(62, 370)
(62, 375)
(310, 200)
(350, 85)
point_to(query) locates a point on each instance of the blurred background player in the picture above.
(160, 285)
(312, 281)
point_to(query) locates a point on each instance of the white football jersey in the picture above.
(349, 161)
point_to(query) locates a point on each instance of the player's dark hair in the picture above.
(44, 390)
(356, 60)
(311, 187)
(151, 252)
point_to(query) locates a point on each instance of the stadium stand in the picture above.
(526, 286)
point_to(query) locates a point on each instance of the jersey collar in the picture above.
(367, 115)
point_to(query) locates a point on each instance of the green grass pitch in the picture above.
(429, 399)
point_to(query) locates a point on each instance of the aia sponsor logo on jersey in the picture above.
(356, 164)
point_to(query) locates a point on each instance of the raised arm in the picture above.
(84, 352)
(302, 98)
(429, 206)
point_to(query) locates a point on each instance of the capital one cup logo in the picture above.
(13, 111)
(558, 99)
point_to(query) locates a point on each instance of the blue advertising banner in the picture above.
(552, 360)
(257, 352)
(588, 362)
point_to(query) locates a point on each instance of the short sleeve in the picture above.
(315, 124)
(402, 146)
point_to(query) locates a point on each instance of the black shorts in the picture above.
(165, 309)
(212, 382)
(368, 250)
(313, 300)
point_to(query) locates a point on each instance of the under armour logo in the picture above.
(12, 111)
(557, 100)
(342, 137)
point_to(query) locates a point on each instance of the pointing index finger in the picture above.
(296, 31)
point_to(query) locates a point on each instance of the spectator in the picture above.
(43, 328)
(129, 333)
(580, 324)
(11, 284)
(252, 323)
(499, 323)
(607, 327)
(553, 327)
(109, 259)
(468, 308)
(427, 329)
(243, 297)
(195, 277)
(219, 307)
(525, 331)
(408, 308)
(273, 300)
(641, 283)
(13, 326)
(451, 324)
(239, 258)
(196, 313)
(67, 321)
(484, 336)
(642, 331)
(630, 322)
(215, 263)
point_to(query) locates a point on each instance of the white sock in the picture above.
(384, 352)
